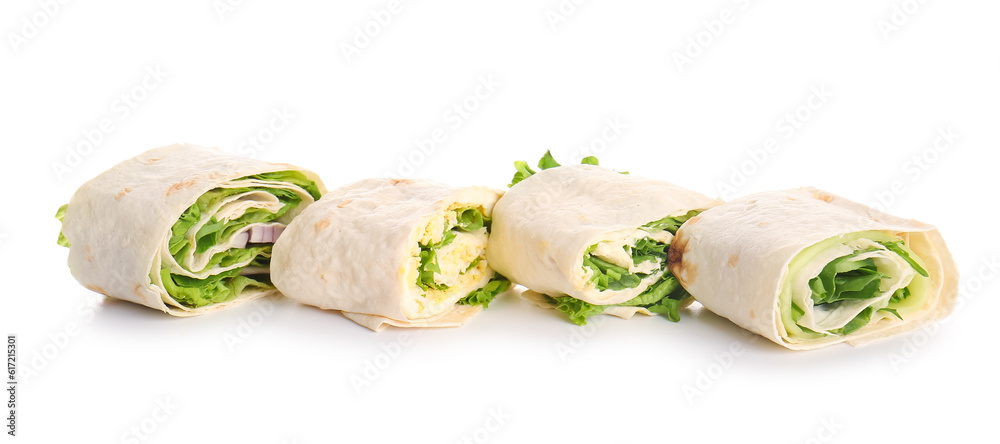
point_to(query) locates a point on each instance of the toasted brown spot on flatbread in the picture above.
(138, 291)
(181, 185)
(733, 260)
(825, 197)
(97, 289)
(152, 160)
(753, 315)
(676, 253)
(399, 181)
(345, 203)
(685, 272)
(763, 224)
(689, 272)
(88, 254)
(322, 224)
(123, 192)
(323, 277)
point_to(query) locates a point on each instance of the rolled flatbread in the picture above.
(182, 228)
(407, 253)
(592, 240)
(807, 269)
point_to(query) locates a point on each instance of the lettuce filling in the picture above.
(225, 285)
(488, 293)
(871, 276)
(463, 222)
(664, 297)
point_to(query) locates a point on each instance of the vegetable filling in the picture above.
(843, 284)
(618, 265)
(221, 244)
(452, 256)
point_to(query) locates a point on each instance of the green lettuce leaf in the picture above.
(672, 223)
(547, 161)
(608, 276)
(897, 247)
(485, 295)
(893, 312)
(861, 320)
(471, 219)
(61, 214)
(217, 288)
(292, 177)
(664, 298)
(214, 232)
(227, 285)
(578, 311)
(429, 264)
(847, 278)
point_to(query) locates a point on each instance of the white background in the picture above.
(602, 77)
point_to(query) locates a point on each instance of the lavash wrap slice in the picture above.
(545, 224)
(118, 225)
(358, 250)
(738, 260)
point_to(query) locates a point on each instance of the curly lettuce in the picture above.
(488, 293)
(663, 297)
(466, 220)
(547, 161)
(227, 285)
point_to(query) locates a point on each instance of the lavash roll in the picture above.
(118, 225)
(358, 249)
(545, 224)
(735, 260)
